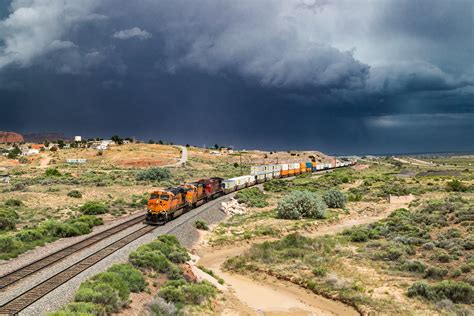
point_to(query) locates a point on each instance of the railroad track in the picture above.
(23, 300)
(13, 277)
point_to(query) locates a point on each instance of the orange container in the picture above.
(302, 167)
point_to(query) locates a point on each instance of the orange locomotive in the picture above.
(164, 205)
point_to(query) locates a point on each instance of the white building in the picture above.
(77, 138)
(30, 152)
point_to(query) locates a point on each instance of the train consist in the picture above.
(164, 205)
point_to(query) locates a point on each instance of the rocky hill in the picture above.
(10, 137)
(41, 137)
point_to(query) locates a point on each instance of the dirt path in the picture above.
(269, 296)
(44, 161)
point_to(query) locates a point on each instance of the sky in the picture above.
(344, 77)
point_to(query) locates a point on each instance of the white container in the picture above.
(284, 166)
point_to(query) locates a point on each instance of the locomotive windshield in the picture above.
(154, 196)
(165, 197)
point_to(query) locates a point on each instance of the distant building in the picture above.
(77, 138)
(76, 161)
(37, 146)
(30, 152)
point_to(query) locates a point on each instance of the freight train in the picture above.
(165, 205)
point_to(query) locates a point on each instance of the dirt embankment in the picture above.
(269, 295)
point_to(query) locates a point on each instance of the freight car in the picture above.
(165, 205)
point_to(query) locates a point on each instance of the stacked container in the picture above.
(302, 167)
(276, 171)
(309, 167)
(284, 170)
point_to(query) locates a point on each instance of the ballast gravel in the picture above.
(183, 228)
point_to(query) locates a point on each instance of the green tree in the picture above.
(14, 153)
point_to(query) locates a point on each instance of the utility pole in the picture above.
(240, 156)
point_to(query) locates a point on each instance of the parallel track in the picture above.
(20, 302)
(13, 277)
(17, 304)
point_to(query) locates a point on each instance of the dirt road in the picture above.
(182, 160)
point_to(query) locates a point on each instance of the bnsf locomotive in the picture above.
(164, 205)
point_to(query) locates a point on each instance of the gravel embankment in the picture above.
(182, 227)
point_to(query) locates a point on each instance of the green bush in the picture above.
(8, 243)
(79, 309)
(75, 194)
(301, 204)
(357, 235)
(115, 280)
(13, 203)
(169, 246)
(8, 219)
(435, 273)
(252, 197)
(154, 174)
(200, 224)
(456, 186)
(133, 277)
(52, 172)
(320, 271)
(413, 266)
(182, 293)
(276, 185)
(94, 208)
(29, 235)
(99, 293)
(335, 199)
(147, 258)
(457, 292)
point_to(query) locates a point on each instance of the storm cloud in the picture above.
(350, 73)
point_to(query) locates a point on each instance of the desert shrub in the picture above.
(94, 208)
(79, 309)
(276, 185)
(13, 203)
(335, 199)
(146, 258)
(169, 246)
(182, 293)
(200, 224)
(320, 271)
(8, 219)
(90, 220)
(159, 307)
(456, 272)
(413, 266)
(435, 273)
(52, 172)
(394, 188)
(115, 280)
(29, 235)
(456, 291)
(99, 293)
(456, 186)
(75, 194)
(357, 235)
(134, 278)
(8, 243)
(154, 174)
(301, 204)
(252, 197)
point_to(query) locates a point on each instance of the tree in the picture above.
(151, 141)
(46, 143)
(160, 142)
(216, 146)
(14, 153)
(61, 143)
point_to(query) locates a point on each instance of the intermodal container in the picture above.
(309, 167)
(284, 170)
(276, 171)
(303, 167)
(313, 166)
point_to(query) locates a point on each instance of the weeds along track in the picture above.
(23, 300)
(40, 264)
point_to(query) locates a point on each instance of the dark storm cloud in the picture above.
(346, 74)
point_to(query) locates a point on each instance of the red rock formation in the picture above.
(10, 137)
